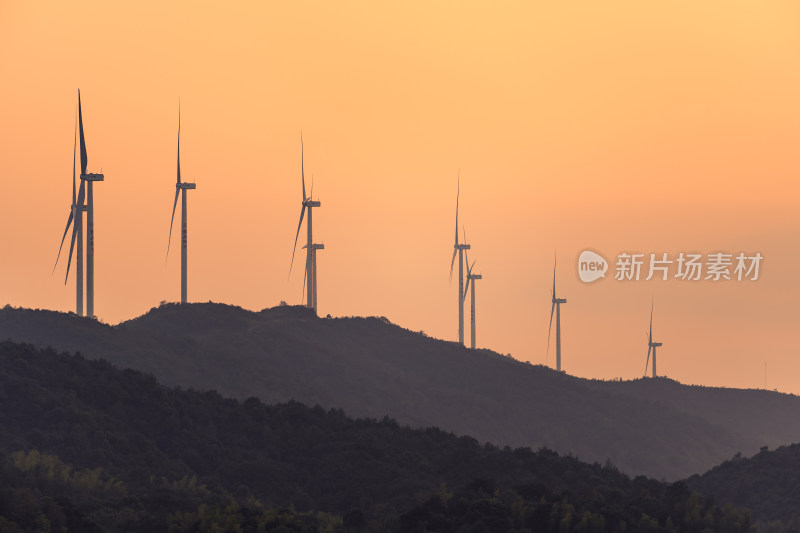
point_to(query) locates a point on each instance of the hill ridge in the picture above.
(371, 367)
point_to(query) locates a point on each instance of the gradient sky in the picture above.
(664, 126)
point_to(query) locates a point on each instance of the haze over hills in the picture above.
(87, 447)
(369, 367)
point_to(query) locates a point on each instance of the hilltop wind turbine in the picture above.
(471, 278)
(309, 203)
(557, 308)
(76, 217)
(651, 346)
(180, 188)
(87, 191)
(459, 249)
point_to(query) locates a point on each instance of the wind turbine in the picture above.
(557, 308)
(85, 190)
(459, 248)
(76, 217)
(180, 188)
(471, 278)
(651, 345)
(307, 202)
(89, 178)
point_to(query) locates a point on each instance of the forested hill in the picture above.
(768, 483)
(86, 447)
(369, 367)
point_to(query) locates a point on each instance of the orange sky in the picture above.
(661, 126)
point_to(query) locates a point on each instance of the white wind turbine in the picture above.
(459, 249)
(557, 308)
(180, 188)
(85, 190)
(307, 202)
(651, 345)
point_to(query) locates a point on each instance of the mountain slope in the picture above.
(369, 367)
(87, 447)
(766, 483)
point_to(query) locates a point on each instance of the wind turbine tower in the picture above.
(557, 308)
(471, 278)
(459, 249)
(313, 278)
(180, 188)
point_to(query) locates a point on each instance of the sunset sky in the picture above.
(637, 126)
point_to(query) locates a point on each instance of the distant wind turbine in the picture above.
(307, 202)
(471, 278)
(459, 249)
(76, 217)
(77, 228)
(557, 308)
(651, 346)
(180, 188)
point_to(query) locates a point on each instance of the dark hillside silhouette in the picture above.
(370, 367)
(768, 483)
(87, 447)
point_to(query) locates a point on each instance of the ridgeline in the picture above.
(371, 368)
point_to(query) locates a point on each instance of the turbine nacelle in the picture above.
(93, 177)
(559, 300)
(185, 185)
(311, 203)
(461, 246)
(656, 345)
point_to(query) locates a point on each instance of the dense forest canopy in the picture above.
(768, 483)
(88, 447)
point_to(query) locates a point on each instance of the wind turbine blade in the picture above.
(74, 149)
(179, 153)
(69, 221)
(72, 211)
(84, 158)
(452, 262)
(466, 251)
(74, 232)
(458, 193)
(71, 246)
(302, 214)
(651, 322)
(302, 170)
(469, 279)
(648, 359)
(174, 206)
(549, 329)
(554, 279)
